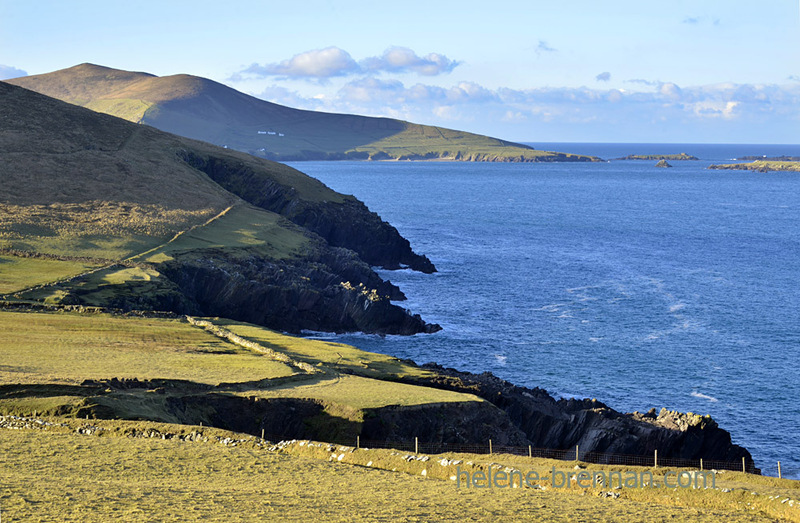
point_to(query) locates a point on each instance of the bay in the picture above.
(639, 286)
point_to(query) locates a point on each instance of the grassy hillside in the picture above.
(204, 474)
(206, 110)
(98, 211)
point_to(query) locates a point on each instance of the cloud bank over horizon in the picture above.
(655, 111)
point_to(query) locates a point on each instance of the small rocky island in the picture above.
(761, 166)
(765, 158)
(665, 157)
(664, 164)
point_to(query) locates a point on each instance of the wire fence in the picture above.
(570, 454)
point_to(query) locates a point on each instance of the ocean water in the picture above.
(638, 286)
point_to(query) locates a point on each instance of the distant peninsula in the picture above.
(769, 158)
(665, 157)
(761, 166)
(205, 110)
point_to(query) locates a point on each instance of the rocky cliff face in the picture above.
(562, 424)
(348, 224)
(331, 290)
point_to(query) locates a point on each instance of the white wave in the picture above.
(704, 397)
(595, 340)
(676, 307)
(501, 359)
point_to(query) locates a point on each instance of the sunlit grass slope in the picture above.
(17, 273)
(68, 348)
(114, 477)
(63, 348)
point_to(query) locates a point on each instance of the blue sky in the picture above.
(615, 71)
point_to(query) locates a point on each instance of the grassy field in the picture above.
(362, 393)
(114, 477)
(17, 273)
(111, 475)
(336, 356)
(66, 348)
(54, 349)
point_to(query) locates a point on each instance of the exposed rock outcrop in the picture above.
(551, 423)
(332, 291)
(464, 423)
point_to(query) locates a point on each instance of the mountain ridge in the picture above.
(206, 110)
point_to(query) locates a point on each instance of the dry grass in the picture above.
(17, 273)
(95, 229)
(60, 348)
(336, 356)
(243, 226)
(119, 478)
(363, 393)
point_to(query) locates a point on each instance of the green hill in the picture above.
(206, 110)
(98, 211)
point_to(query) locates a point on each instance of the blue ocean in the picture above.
(639, 286)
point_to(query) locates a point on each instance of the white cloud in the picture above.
(318, 63)
(373, 90)
(403, 59)
(714, 109)
(670, 91)
(7, 72)
(603, 77)
(321, 64)
(641, 81)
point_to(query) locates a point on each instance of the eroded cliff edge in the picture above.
(595, 427)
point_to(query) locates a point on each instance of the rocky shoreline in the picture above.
(760, 166)
(592, 425)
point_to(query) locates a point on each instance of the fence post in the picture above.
(262, 434)
(655, 458)
(701, 463)
(358, 442)
(779, 471)
(576, 453)
(530, 455)
(490, 447)
(416, 445)
(744, 466)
